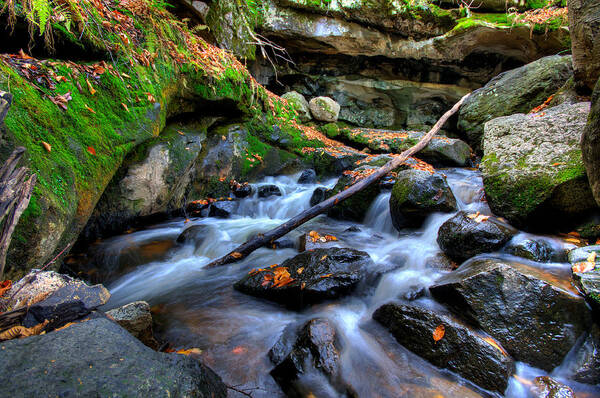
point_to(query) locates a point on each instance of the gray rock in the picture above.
(319, 195)
(136, 319)
(584, 27)
(100, 358)
(325, 274)
(222, 209)
(299, 103)
(308, 176)
(462, 237)
(417, 194)
(265, 191)
(534, 250)
(355, 207)
(585, 367)
(5, 102)
(547, 387)
(536, 320)
(590, 144)
(582, 253)
(532, 169)
(306, 243)
(201, 7)
(515, 91)
(461, 349)
(324, 109)
(193, 233)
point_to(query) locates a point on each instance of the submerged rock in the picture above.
(194, 233)
(315, 276)
(535, 250)
(585, 367)
(316, 349)
(99, 358)
(532, 169)
(136, 319)
(547, 387)
(466, 235)
(324, 109)
(222, 209)
(417, 194)
(265, 191)
(536, 320)
(516, 91)
(460, 349)
(300, 105)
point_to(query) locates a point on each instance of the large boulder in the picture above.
(417, 194)
(460, 349)
(324, 109)
(309, 277)
(516, 91)
(590, 144)
(536, 319)
(300, 105)
(316, 349)
(99, 358)
(356, 206)
(466, 235)
(584, 27)
(532, 170)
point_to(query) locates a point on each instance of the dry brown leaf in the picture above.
(196, 351)
(298, 271)
(125, 107)
(5, 286)
(22, 331)
(584, 266)
(326, 275)
(92, 90)
(236, 255)
(438, 333)
(90, 109)
(47, 146)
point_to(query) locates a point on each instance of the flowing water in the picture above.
(197, 307)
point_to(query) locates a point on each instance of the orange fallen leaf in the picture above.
(91, 150)
(189, 351)
(573, 240)
(494, 344)
(324, 257)
(326, 275)
(298, 271)
(584, 266)
(236, 255)
(438, 333)
(239, 350)
(125, 107)
(303, 286)
(46, 146)
(180, 133)
(592, 257)
(92, 90)
(330, 238)
(5, 286)
(90, 109)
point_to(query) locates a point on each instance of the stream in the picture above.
(198, 307)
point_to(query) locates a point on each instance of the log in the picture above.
(15, 193)
(267, 238)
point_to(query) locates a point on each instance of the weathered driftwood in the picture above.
(15, 192)
(267, 238)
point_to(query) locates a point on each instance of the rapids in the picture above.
(197, 307)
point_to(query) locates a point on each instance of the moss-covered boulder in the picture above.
(417, 194)
(299, 103)
(515, 91)
(324, 109)
(532, 170)
(355, 207)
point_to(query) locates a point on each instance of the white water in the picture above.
(198, 307)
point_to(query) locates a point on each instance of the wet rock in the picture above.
(319, 195)
(334, 161)
(547, 387)
(106, 360)
(461, 349)
(532, 168)
(536, 319)
(534, 250)
(284, 243)
(462, 237)
(590, 145)
(307, 242)
(35, 287)
(265, 191)
(324, 109)
(417, 194)
(316, 349)
(587, 282)
(193, 233)
(355, 207)
(387, 183)
(242, 190)
(353, 228)
(324, 274)
(136, 319)
(584, 28)
(516, 91)
(585, 367)
(441, 262)
(222, 209)
(5, 102)
(308, 176)
(299, 103)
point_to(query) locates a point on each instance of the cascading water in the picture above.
(197, 307)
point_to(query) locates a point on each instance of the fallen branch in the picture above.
(269, 237)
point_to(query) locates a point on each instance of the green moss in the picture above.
(331, 130)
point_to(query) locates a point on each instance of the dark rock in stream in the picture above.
(307, 243)
(242, 190)
(464, 236)
(547, 387)
(283, 243)
(99, 358)
(222, 209)
(318, 275)
(319, 195)
(308, 176)
(417, 194)
(316, 350)
(461, 349)
(535, 318)
(268, 190)
(585, 367)
(587, 282)
(535, 250)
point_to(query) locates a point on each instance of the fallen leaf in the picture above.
(573, 240)
(125, 107)
(592, 257)
(438, 333)
(584, 266)
(92, 90)
(330, 238)
(180, 133)
(239, 350)
(22, 331)
(303, 286)
(90, 109)
(91, 150)
(298, 271)
(189, 351)
(46, 146)
(5, 286)
(326, 275)
(324, 257)
(236, 255)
